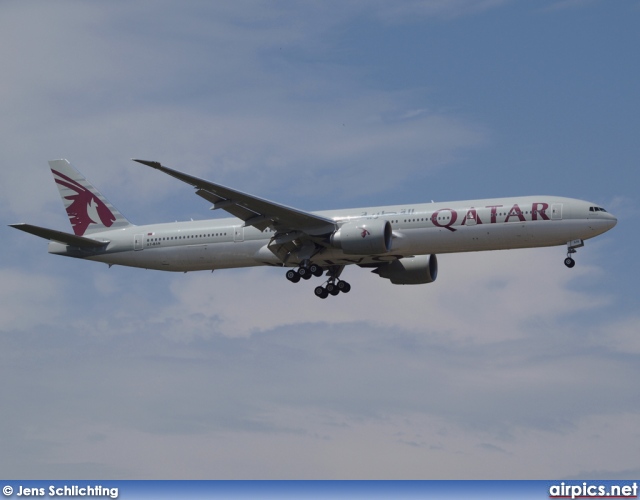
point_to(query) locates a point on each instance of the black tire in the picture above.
(292, 276)
(344, 287)
(321, 292)
(316, 270)
(569, 262)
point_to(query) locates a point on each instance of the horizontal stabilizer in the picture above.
(59, 236)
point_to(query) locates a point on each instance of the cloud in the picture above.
(28, 299)
(619, 336)
(503, 291)
(509, 365)
(211, 93)
(493, 356)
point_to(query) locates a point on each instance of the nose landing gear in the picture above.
(571, 249)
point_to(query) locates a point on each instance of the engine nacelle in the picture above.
(410, 270)
(370, 237)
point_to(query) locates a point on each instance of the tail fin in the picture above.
(89, 211)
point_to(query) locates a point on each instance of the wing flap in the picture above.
(60, 236)
(254, 211)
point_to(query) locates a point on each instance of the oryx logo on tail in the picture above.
(85, 207)
(89, 211)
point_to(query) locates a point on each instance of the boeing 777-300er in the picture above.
(399, 243)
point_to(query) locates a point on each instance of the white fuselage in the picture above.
(420, 229)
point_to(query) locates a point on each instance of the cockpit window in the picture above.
(596, 209)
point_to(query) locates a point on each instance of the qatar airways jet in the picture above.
(399, 243)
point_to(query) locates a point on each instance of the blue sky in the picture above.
(508, 366)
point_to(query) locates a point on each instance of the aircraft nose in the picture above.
(611, 219)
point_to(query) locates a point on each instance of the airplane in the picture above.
(399, 243)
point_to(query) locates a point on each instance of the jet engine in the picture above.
(410, 270)
(371, 237)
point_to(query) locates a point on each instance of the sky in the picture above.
(509, 366)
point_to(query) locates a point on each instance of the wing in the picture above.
(254, 211)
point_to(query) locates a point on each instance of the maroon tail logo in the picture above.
(85, 208)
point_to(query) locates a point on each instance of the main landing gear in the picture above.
(333, 285)
(332, 288)
(304, 272)
(571, 249)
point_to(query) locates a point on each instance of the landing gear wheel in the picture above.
(343, 286)
(333, 289)
(321, 292)
(304, 273)
(569, 262)
(316, 270)
(292, 276)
